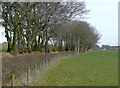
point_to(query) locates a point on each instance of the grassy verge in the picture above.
(98, 68)
(3, 47)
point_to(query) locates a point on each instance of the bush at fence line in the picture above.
(36, 70)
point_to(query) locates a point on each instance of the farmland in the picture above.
(3, 47)
(98, 68)
(53, 44)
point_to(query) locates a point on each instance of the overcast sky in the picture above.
(103, 16)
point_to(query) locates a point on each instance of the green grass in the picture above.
(3, 47)
(92, 69)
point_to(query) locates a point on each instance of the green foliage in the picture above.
(48, 51)
(66, 48)
(54, 50)
(42, 50)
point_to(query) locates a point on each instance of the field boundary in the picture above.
(31, 74)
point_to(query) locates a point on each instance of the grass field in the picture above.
(98, 68)
(3, 47)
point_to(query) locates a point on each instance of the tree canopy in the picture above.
(26, 24)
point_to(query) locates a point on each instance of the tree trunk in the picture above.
(38, 43)
(35, 46)
(8, 39)
(14, 42)
(28, 45)
(61, 45)
(78, 48)
(15, 31)
(70, 41)
(86, 49)
(81, 49)
(9, 45)
(46, 42)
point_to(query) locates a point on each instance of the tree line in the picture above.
(37, 26)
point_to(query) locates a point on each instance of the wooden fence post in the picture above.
(61, 55)
(28, 73)
(49, 63)
(52, 60)
(35, 66)
(13, 81)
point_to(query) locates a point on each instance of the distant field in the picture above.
(3, 47)
(99, 68)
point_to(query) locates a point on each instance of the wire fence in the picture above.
(32, 73)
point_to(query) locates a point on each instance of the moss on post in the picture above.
(13, 81)
(28, 73)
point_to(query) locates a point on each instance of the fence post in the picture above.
(48, 62)
(41, 67)
(35, 66)
(45, 64)
(28, 73)
(52, 60)
(13, 80)
(61, 55)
